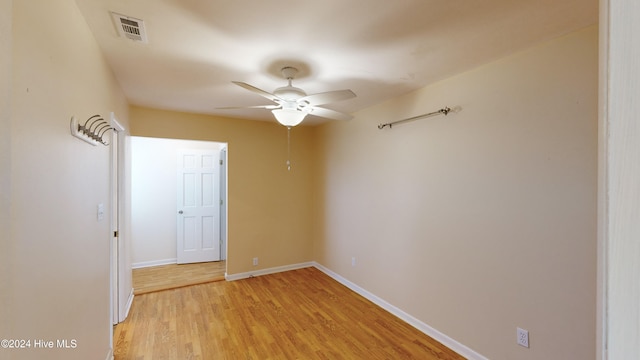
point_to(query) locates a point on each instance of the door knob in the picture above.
(180, 212)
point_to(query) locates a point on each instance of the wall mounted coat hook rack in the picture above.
(92, 131)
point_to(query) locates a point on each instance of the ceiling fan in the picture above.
(293, 104)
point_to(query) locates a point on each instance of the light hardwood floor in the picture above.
(158, 278)
(300, 314)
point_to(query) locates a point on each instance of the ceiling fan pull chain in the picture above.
(288, 148)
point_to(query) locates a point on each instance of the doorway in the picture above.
(154, 199)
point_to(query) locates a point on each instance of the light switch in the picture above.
(100, 212)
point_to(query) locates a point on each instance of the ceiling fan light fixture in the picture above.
(293, 103)
(289, 117)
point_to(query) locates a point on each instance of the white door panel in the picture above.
(198, 206)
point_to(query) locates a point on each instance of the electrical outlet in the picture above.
(255, 261)
(523, 337)
(353, 261)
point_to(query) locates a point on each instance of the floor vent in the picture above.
(130, 27)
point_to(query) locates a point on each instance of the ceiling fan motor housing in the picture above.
(289, 93)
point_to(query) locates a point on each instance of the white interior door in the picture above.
(121, 289)
(198, 206)
(115, 226)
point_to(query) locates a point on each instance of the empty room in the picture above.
(369, 179)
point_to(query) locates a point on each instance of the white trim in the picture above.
(128, 306)
(618, 220)
(603, 184)
(114, 122)
(428, 330)
(144, 264)
(268, 271)
(110, 355)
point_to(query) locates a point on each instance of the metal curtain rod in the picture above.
(444, 111)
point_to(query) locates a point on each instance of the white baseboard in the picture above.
(144, 264)
(428, 330)
(272, 270)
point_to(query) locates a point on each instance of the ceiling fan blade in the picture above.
(328, 97)
(328, 113)
(270, 107)
(260, 92)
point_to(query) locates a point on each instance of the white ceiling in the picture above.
(377, 48)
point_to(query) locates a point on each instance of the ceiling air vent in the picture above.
(130, 27)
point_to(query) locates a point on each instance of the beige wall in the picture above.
(5, 166)
(269, 207)
(481, 221)
(60, 251)
(474, 223)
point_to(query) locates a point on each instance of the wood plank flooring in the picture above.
(158, 278)
(300, 314)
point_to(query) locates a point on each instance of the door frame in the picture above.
(138, 234)
(223, 205)
(117, 263)
(618, 277)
